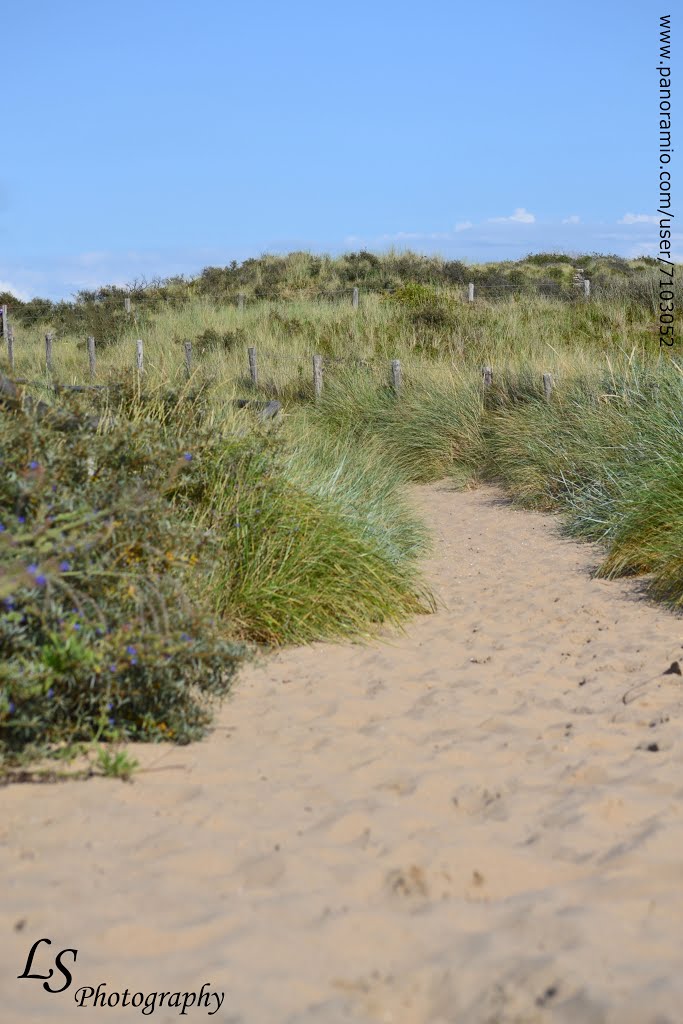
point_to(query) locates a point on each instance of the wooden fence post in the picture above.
(253, 369)
(487, 374)
(470, 292)
(48, 352)
(10, 347)
(587, 288)
(188, 359)
(354, 300)
(126, 304)
(240, 301)
(317, 376)
(138, 355)
(91, 355)
(547, 385)
(396, 375)
(6, 336)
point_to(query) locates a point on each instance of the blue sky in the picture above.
(153, 138)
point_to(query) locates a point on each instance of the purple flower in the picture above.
(77, 625)
(133, 661)
(186, 637)
(32, 568)
(64, 566)
(188, 456)
(41, 580)
(131, 650)
(112, 668)
(33, 464)
(11, 707)
(109, 705)
(50, 693)
(2, 527)
(21, 519)
(112, 721)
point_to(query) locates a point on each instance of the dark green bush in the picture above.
(544, 259)
(428, 310)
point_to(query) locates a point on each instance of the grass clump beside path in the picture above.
(609, 454)
(315, 543)
(432, 431)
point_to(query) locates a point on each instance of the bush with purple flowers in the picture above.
(97, 606)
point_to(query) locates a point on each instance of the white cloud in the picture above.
(573, 219)
(415, 236)
(638, 218)
(19, 293)
(464, 225)
(93, 259)
(520, 216)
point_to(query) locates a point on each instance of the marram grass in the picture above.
(304, 559)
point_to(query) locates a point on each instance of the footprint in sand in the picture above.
(407, 885)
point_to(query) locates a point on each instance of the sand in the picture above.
(463, 824)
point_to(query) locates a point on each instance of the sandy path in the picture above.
(464, 825)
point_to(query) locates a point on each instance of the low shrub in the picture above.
(105, 631)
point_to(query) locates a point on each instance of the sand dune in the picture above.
(462, 825)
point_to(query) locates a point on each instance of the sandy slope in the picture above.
(463, 825)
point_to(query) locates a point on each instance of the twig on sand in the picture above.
(674, 669)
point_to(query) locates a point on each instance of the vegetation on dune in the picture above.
(139, 560)
(434, 430)
(136, 557)
(305, 276)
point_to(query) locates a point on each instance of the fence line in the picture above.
(579, 283)
(319, 362)
(395, 377)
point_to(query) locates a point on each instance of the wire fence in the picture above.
(252, 367)
(9, 386)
